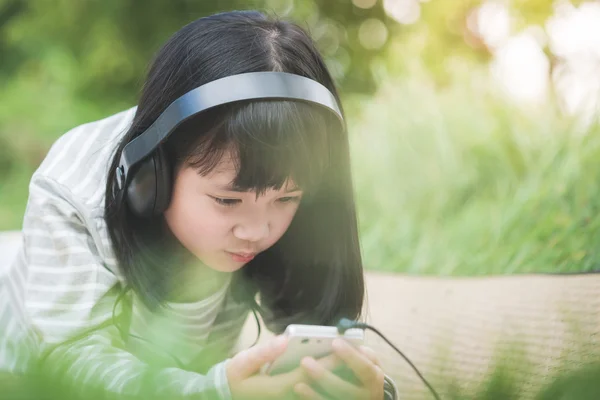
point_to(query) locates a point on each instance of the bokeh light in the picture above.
(364, 3)
(404, 11)
(372, 34)
(574, 38)
(521, 68)
(492, 22)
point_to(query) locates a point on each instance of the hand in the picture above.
(245, 382)
(362, 362)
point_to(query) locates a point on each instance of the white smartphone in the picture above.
(309, 341)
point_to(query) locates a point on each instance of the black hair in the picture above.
(314, 273)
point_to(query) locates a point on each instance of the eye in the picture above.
(226, 202)
(289, 199)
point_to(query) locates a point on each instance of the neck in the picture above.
(195, 281)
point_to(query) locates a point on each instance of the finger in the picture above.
(250, 361)
(306, 392)
(329, 382)
(364, 369)
(370, 354)
(329, 362)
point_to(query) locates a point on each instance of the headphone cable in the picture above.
(346, 324)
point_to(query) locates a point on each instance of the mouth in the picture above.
(241, 256)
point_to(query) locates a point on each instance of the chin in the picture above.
(228, 267)
(224, 265)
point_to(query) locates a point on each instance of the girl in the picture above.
(255, 201)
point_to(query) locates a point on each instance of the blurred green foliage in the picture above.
(576, 382)
(457, 182)
(450, 179)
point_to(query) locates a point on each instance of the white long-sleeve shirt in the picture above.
(65, 279)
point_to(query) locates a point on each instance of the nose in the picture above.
(253, 230)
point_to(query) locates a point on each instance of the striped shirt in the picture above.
(65, 279)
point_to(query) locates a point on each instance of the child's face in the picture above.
(223, 228)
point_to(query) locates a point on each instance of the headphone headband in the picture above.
(234, 88)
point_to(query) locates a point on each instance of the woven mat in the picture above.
(455, 330)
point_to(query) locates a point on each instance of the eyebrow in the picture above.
(231, 188)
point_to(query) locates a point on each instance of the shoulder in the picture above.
(68, 188)
(79, 159)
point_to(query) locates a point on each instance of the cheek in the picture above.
(195, 222)
(281, 223)
(205, 224)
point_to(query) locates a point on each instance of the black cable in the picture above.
(258, 325)
(346, 324)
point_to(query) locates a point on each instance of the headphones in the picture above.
(144, 174)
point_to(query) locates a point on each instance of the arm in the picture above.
(97, 365)
(18, 345)
(68, 289)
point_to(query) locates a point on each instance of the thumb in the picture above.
(249, 362)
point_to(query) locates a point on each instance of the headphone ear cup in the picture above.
(141, 191)
(164, 181)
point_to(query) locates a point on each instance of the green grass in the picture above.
(457, 182)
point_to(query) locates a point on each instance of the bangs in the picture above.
(271, 142)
